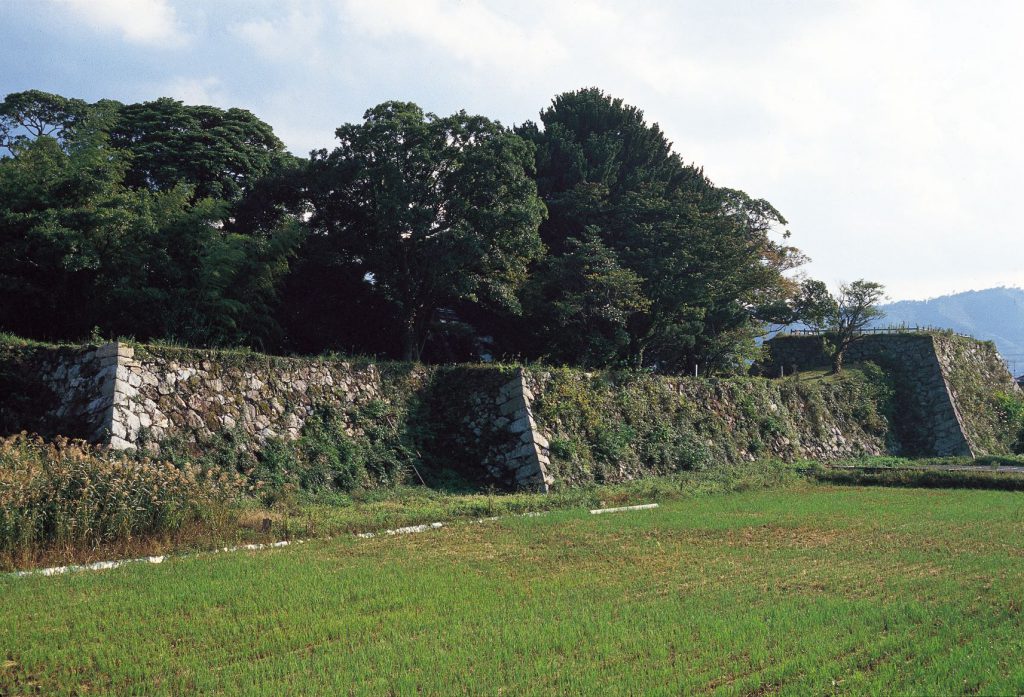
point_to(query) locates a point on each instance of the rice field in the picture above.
(810, 589)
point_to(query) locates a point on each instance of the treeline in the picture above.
(583, 238)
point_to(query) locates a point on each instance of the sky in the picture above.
(888, 133)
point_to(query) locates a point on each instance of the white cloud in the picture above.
(202, 91)
(472, 32)
(296, 37)
(149, 22)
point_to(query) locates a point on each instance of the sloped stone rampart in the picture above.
(512, 427)
(947, 385)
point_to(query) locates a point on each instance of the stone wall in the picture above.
(163, 392)
(606, 426)
(58, 390)
(136, 396)
(507, 426)
(946, 386)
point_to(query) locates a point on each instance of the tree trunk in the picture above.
(837, 362)
(411, 340)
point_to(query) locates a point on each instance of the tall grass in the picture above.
(69, 494)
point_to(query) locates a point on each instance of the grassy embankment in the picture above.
(805, 589)
(64, 502)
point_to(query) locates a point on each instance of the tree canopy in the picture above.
(221, 153)
(582, 238)
(430, 210)
(704, 256)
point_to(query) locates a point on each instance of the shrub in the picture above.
(1013, 415)
(69, 494)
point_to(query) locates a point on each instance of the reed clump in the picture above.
(69, 494)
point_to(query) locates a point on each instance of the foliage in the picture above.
(848, 314)
(1013, 414)
(218, 153)
(66, 493)
(82, 250)
(192, 224)
(709, 269)
(25, 116)
(364, 446)
(615, 426)
(922, 477)
(432, 210)
(580, 304)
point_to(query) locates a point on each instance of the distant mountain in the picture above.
(995, 314)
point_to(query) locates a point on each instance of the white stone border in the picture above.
(402, 531)
(103, 565)
(623, 509)
(408, 530)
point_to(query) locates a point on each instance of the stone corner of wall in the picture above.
(528, 459)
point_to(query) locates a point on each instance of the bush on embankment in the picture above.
(65, 494)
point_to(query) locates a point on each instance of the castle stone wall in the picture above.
(946, 385)
(497, 424)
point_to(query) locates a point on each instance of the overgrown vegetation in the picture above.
(923, 477)
(614, 426)
(66, 494)
(1012, 405)
(363, 447)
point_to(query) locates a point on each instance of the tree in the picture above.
(708, 266)
(63, 215)
(81, 250)
(848, 314)
(220, 153)
(815, 306)
(431, 211)
(581, 302)
(26, 116)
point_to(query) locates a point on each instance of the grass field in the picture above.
(807, 590)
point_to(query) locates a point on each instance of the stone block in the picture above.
(106, 350)
(132, 424)
(525, 450)
(514, 405)
(118, 443)
(522, 424)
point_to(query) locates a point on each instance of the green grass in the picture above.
(802, 590)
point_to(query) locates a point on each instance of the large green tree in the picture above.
(580, 303)
(25, 116)
(82, 250)
(710, 264)
(841, 318)
(221, 153)
(62, 217)
(429, 211)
